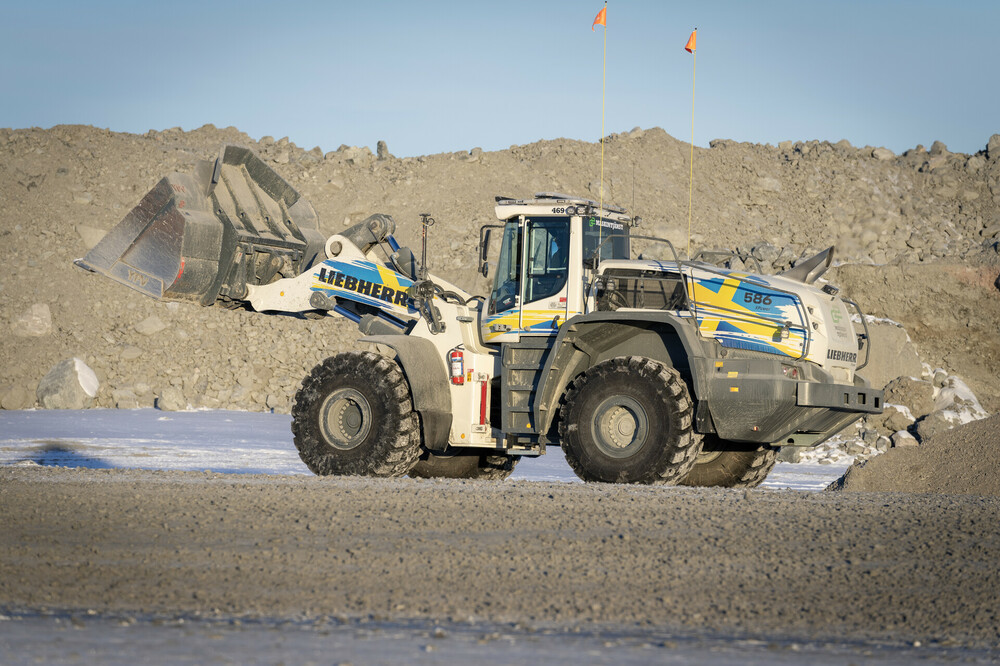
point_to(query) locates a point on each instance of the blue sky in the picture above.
(430, 77)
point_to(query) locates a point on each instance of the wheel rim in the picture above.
(345, 418)
(706, 457)
(620, 426)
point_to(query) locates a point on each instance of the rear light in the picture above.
(790, 371)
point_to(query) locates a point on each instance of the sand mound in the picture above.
(913, 231)
(961, 461)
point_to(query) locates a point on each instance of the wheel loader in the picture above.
(647, 369)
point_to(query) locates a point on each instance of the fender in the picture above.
(585, 340)
(428, 378)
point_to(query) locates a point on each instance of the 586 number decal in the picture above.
(756, 298)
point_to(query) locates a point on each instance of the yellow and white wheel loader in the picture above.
(644, 370)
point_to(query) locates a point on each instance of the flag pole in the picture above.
(604, 78)
(602, 20)
(691, 48)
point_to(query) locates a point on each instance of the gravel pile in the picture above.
(917, 236)
(960, 461)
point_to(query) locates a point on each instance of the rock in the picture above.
(883, 154)
(768, 184)
(171, 399)
(933, 424)
(70, 384)
(382, 151)
(83, 198)
(16, 397)
(938, 377)
(130, 353)
(150, 325)
(91, 236)
(34, 323)
(790, 454)
(125, 399)
(993, 147)
(892, 354)
(895, 418)
(938, 148)
(903, 439)
(916, 394)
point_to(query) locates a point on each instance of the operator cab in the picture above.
(549, 245)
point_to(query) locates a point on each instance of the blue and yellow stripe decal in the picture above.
(364, 282)
(748, 315)
(526, 321)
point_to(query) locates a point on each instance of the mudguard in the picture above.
(428, 378)
(585, 340)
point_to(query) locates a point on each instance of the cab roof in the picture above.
(554, 203)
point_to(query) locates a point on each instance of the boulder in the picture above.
(993, 147)
(150, 325)
(896, 418)
(916, 394)
(903, 439)
(125, 399)
(171, 399)
(883, 154)
(934, 424)
(70, 384)
(33, 323)
(892, 354)
(16, 397)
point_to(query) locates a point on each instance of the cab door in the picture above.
(546, 269)
(530, 285)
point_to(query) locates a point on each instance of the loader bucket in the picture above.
(205, 236)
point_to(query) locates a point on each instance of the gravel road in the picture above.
(881, 567)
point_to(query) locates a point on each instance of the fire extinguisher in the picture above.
(456, 363)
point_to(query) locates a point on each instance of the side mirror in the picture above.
(484, 250)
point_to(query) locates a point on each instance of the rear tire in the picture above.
(723, 464)
(354, 415)
(493, 467)
(628, 420)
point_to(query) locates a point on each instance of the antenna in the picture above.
(427, 221)
(633, 188)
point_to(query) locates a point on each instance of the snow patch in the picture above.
(88, 380)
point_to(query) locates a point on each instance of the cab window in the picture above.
(505, 282)
(596, 234)
(548, 257)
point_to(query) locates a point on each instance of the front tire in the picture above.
(495, 467)
(354, 415)
(723, 464)
(628, 420)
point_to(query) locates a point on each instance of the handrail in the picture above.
(730, 253)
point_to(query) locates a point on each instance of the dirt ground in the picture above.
(882, 567)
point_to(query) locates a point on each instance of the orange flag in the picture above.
(602, 18)
(690, 46)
